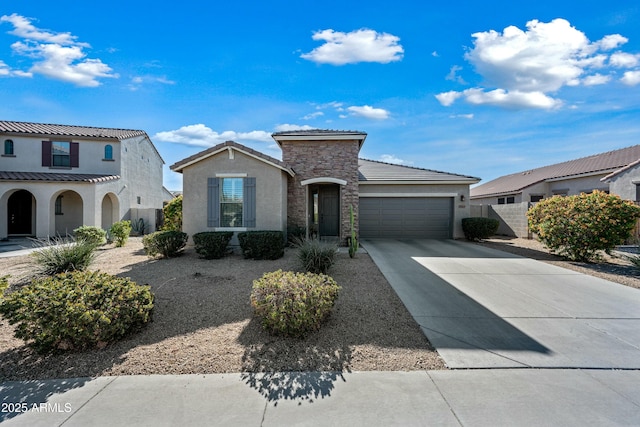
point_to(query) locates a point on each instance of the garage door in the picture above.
(406, 217)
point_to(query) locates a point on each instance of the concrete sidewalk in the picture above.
(483, 308)
(499, 397)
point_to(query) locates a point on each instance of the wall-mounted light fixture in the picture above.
(462, 197)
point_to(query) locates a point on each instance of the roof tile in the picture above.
(516, 182)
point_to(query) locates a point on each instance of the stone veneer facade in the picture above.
(322, 158)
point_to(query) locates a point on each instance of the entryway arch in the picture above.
(21, 213)
(68, 212)
(110, 210)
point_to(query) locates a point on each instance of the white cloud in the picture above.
(523, 68)
(362, 45)
(313, 115)
(203, 136)
(596, 79)
(631, 78)
(624, 60)
(56, 55)
(453, 75)
(612, 41)
(461, 116)
(369, 112)
(448, 98)
(390, 158)
(286, 127)
(138, 81)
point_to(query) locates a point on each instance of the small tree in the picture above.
(173, 215)
(579, 226)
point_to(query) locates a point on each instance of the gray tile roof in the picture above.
(371, 170)
(599, 163)
(56, 177)
(26, 128)
(178, 166)
(308, 132)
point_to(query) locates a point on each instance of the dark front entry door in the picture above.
(19, 213)
(329, 211)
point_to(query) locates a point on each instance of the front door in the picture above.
(329, 210)
(19, 213)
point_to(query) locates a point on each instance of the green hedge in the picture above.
(262, 244)
(91, 234)
(293, 304)
(165, 243)
(212, 244)
(477, 228)
(76, 311)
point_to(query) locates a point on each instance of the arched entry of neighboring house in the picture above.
(110, 209)
(21, 210)
(68, 210)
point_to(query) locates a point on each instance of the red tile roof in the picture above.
(56, 177)
(598, 163)
(26, 128)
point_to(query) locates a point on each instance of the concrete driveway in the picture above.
(483, 308)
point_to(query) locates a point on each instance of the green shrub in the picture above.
(477, 228)
(120, 231)
(316, 256)
(60, 256)
(4, 284)
(78, 310)
(91, 234)
(579, 226)
(262, 244)
(139, 227)
(172, 213)
(212, 244)
(165, 243)
(293, 304)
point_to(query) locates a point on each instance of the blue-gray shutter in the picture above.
(213, 202)
(249, 202)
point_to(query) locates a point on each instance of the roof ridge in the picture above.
(70, 126)
(574, 160)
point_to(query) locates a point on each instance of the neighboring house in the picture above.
(318, 180)
(568, 178)
(625, 182)
(55, 178)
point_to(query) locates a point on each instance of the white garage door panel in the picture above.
(409, 217)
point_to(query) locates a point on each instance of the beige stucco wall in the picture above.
(624, 184)
(135, 160)
(461, 208)
(45, 222)
(570, 187)
(271, 191)
(28, 156)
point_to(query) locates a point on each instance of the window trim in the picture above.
(108, 153)
(214, 198)
(9, 148)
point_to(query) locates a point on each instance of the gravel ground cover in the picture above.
(203, 323)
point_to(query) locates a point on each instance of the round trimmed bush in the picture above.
(476, 228)
(165, 243)
(91, 234)
(579, 226)
(212, 244)
(293, 304)
(77, 310)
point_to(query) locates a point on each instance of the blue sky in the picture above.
(475, 88)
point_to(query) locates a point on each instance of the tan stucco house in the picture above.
(55, 178)
(318, 180)
(604, 172)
